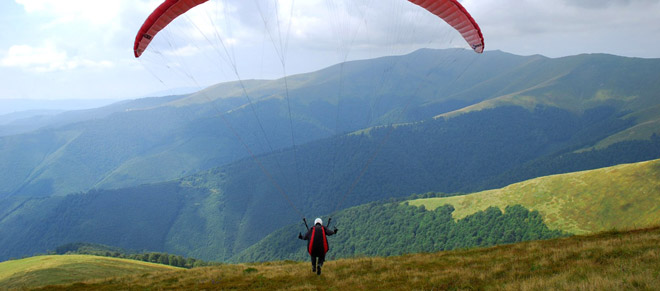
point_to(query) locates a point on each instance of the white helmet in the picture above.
(318, 221)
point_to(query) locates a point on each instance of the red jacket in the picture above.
(318, 241)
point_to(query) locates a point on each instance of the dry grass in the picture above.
(606, 261)
(60, 269)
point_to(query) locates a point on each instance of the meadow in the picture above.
(60, 269)
(614, 260)
(625, 196)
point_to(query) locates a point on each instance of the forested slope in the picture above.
(217, 214)
(156, 139)
(387, 229)
(401, 125)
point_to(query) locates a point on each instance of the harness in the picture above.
(310, 247)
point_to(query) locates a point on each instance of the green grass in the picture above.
(646, 126)
(620, 197)
(514, 99)
(606, 261)
(60, 269)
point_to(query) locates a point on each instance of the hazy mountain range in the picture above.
(174, 173)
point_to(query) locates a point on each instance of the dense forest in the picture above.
(387, 229)
(215, 215)
(168, 175)
(473, 152)
(151, 140)
(563, 162)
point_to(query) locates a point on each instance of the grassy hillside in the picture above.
(618, 197)
(156, 139)
(606, 261)
(217, 214)
(578, 83)
(61, 269)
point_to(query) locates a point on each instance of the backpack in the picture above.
(318, 241)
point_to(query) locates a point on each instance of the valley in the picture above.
(165, 174)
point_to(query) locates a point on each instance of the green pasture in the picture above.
(620, 197)
(61, 269)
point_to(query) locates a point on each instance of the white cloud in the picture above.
(46, 59)
(568, 27)
(185, 51)
(65, 11)
(598, 4)
(74, 37)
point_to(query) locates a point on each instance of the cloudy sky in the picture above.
(83, 49)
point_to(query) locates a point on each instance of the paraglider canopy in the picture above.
(455, 15)
(451, 11)
(159, 19)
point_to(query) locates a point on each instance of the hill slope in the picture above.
(606, 261)
(217, 214)
(391, 229)
(61, 269)
(157, 139)
(618, 197)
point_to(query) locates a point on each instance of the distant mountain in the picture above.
(217, 214)
(25, 121)
(391, 127)
(20, 105)
(583, 82)
(156, 139)
(28, 121)
(11, 117)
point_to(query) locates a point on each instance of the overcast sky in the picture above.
(70, 49)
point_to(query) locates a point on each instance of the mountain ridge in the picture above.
(217, 199)
(179, 135)
(216, 214)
